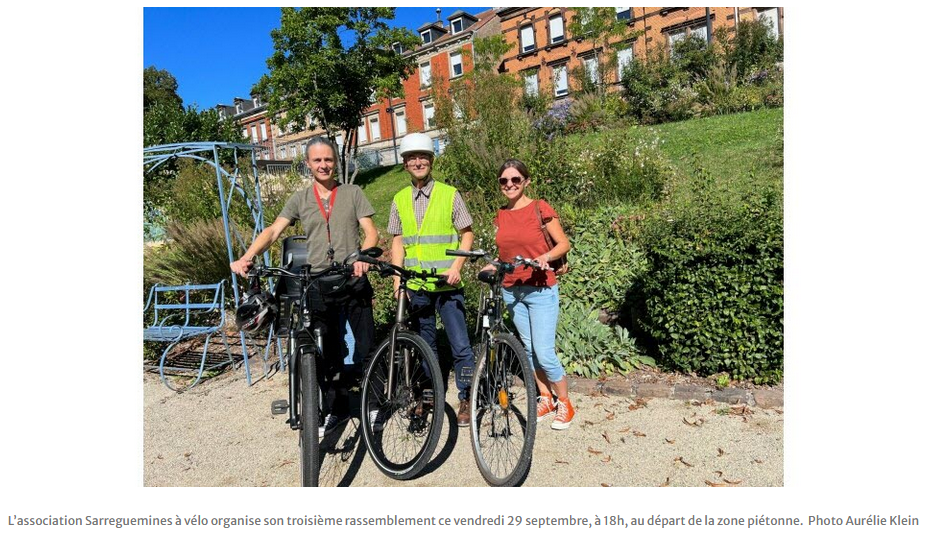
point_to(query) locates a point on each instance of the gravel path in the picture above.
(222, 433)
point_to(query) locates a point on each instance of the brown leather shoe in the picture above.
(464, 417)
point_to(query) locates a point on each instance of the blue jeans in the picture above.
(535, 312)
(451, 307)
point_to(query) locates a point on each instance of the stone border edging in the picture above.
(763, 398)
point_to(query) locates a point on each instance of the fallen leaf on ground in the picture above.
(716, 484)
(610, 416)
(637, 404)
(757, 461)
(720, 452)
(561, 462)
(187, 454)
(606, 460)
(286, 462)
(624, 429)
(638, 434)
(606, 485)
(596, 404)
(682, 460)
(606, 437)
(718, 473)
(670, 441)
(665, 484)
(592, 450)
(733, 482)
(588, 423)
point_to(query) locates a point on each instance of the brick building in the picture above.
(443, 55)
(544, 53)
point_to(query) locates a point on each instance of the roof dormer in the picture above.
(460, 21)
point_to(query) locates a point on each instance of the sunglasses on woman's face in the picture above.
(516, 180)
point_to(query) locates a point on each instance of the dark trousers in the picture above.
(333, 379)
(451, 307)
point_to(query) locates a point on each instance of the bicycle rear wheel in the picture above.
(503, 412)
(401, 426)
(309, 403)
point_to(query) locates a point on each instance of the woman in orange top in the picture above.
(532, 295)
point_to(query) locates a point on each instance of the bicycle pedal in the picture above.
(279, 407)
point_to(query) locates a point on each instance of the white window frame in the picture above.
(426, 36)
(456, 63)
(245, 133)
(426, 74)
(561, 36)
(362, 134)
(264, 131)
(624, 57)
(254, 133)
(461, 23)
(560, 74)
(675, 36)
(769, 17)
(531, 84)
(524, 45)
(375, 126)
(700, 30)
(429, 118)
(400, 118)
(397, 48)
(622, 10)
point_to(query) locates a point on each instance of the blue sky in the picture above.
(217, 54)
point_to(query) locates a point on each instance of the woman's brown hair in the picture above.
(516, 164)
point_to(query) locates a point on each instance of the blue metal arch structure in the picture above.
(229, 185)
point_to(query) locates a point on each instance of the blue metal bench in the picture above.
(198, 306)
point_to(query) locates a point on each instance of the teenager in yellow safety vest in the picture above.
(427, 218)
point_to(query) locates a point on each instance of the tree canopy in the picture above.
(329, 64)
(159, 87)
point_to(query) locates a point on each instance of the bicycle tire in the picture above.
(503, 412)
(411, 427)
(309, 414)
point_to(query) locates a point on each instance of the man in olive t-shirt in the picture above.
(330, 215)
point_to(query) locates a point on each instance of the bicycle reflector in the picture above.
(256, 311)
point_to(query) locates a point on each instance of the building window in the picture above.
(426, 36)
(674, 37)
(425, 76)
(254, 134)
(560, 80)
(397, 48)
(245, 133)
(624, 57)
(429, 114)
(238, 108)
(283, 153)
(531, 83)
(264, 132)
(362, 134)
(700, 32)
(769, 17)
(375, 127)
(623, 13)
(556, 29)
(455, 59)
(527, 39)
(456, 26)
(400, 116)
(293, 151)
(254, 101)
(590, 69)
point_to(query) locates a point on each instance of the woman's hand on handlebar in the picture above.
(543, 261)
(489, 267)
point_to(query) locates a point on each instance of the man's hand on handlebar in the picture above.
(360, 268)
(241, 266)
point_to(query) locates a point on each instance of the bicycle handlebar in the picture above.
(476, 254)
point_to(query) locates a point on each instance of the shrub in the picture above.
(750, 48)
(712, 297)
(603, 263)
(194, 252)
(591, 349)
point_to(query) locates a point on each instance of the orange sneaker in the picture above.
(544, 406)
(565, 412)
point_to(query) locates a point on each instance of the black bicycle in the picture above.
(402, 391)
(503, 392)
(301, 304)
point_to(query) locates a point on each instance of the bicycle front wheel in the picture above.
(309, 403)
(503, 412)
(402, 417)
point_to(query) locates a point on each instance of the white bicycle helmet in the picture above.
(416, 142)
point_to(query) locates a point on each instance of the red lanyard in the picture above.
(326, 213)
